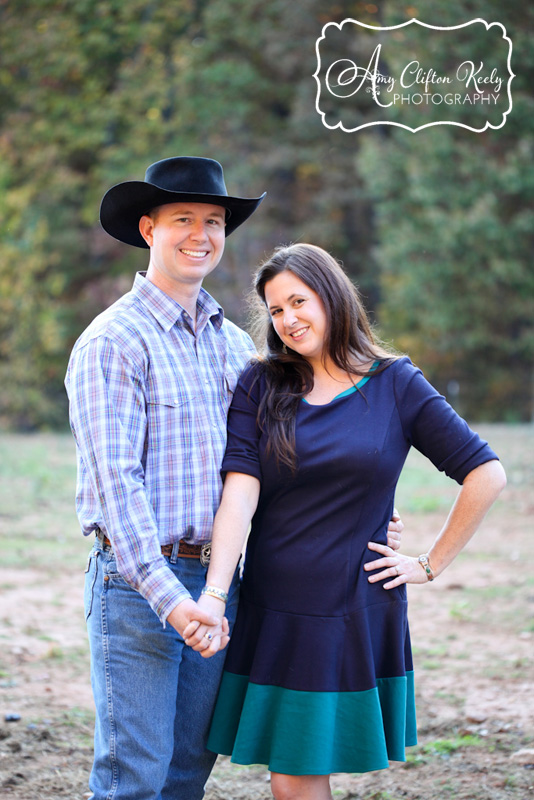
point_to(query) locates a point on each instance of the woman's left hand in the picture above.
(395, 566)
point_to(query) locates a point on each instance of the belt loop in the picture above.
(173, 558)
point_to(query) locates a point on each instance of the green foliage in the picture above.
(74, 87)
(442, 748)
(455, 229)
(92, 91)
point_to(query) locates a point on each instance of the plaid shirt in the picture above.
(149, 397)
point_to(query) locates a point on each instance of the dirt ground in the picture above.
(472, 633)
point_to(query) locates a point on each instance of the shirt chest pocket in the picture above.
(171, 410)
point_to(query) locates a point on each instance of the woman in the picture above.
(318, 677)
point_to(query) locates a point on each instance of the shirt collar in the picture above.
(169, 312)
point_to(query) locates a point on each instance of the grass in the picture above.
(39, 529)
(75, 656)
(38, 476)
(461, 611)
(423, 489)
(37, 469)
(431, 665)
(38, 524)
(473, 601)
(75, 717)
(442, 748)
(79, 725)
(450, 698)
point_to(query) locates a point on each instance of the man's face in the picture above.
(186, 242)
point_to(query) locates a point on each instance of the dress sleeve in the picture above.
(242, 448)
(432, 426)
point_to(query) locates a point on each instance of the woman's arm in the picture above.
(480, 489)
(238, 504)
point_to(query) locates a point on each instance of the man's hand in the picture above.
(188, 612)
(203, 637)
(395, 528)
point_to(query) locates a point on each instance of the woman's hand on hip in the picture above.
(394, 567)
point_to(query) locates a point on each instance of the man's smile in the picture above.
(194, 253)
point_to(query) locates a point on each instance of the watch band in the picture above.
(423, 560)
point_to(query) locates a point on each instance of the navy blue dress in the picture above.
(319, 675)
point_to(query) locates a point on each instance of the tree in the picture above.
(455, 228)
(92, 91)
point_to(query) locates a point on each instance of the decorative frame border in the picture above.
(396, 27)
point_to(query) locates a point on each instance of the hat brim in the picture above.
(124, 204)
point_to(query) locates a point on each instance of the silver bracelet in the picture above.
(425, 563)
(214, 591)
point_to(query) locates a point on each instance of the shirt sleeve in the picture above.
(432, 426)
(108, 421)
(242, 447)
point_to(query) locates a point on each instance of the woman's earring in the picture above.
(284, 349)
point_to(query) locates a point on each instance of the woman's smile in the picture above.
(298, 335)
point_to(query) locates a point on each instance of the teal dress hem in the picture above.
(314, 733)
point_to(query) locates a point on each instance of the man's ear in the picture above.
(146, 228)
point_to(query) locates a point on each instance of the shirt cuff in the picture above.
(163, 591)
(171, 604)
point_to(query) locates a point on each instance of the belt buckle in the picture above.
(205, 553)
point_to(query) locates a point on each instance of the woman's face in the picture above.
(298, 315)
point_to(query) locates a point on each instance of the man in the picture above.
(149, 384)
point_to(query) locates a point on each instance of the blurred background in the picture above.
(436, 228)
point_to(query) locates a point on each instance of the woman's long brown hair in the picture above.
(350, 341)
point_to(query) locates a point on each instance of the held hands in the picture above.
(202, 625)
(205, 638)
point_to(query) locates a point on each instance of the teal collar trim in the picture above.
(352, 389)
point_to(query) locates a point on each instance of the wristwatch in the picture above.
(423, 560)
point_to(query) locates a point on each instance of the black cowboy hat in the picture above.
(173, 180)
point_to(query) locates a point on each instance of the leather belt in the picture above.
(185, 549)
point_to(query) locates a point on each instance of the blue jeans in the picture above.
(154, 696)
